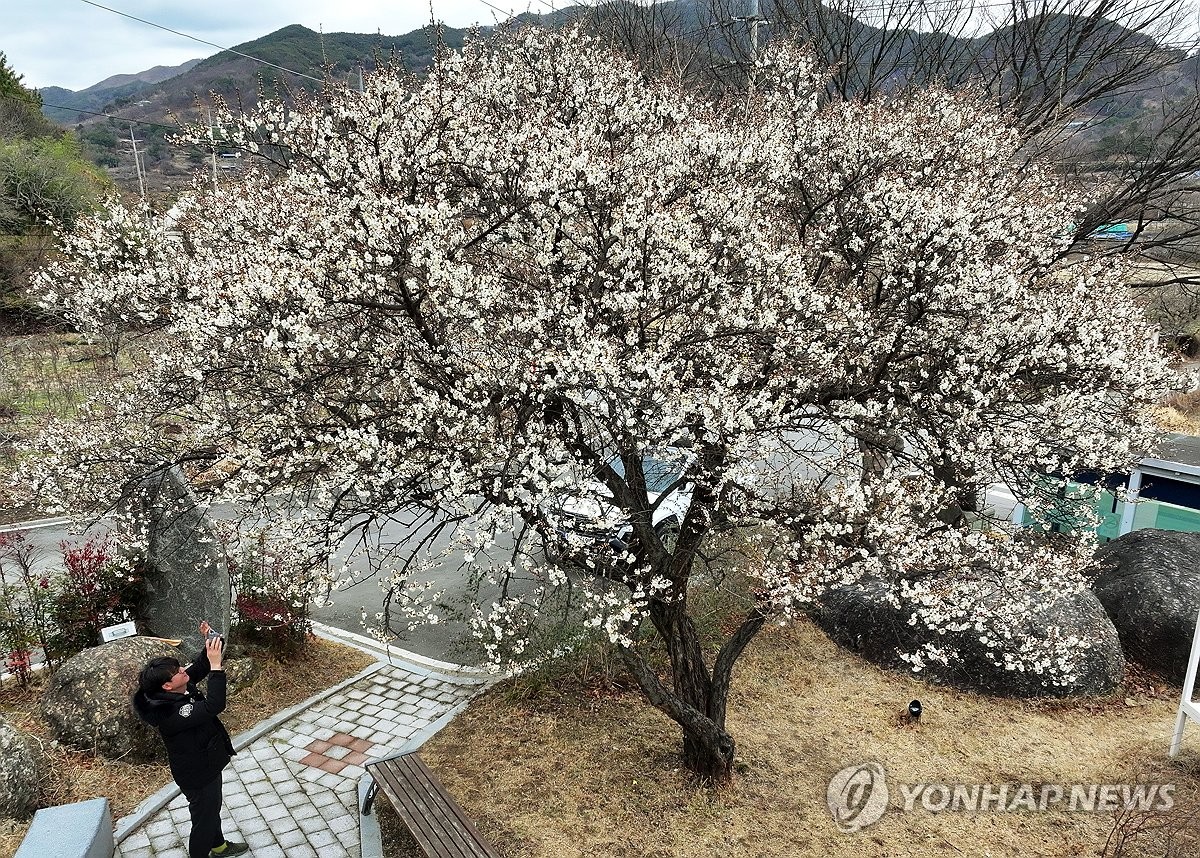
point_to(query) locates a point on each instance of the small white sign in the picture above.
(124, 630)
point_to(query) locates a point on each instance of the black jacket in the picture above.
(198, 745)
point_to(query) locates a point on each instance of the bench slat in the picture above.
(436, 821)
(478, 845)
(425, 817)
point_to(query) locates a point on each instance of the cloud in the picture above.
(72, 44)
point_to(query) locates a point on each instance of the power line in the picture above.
(1114, 45)
(877, 5)
(132, 122)
(37, 103)
(198, 39)
(853, 8)
(509, 12)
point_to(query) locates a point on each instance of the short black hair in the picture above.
(157, 672)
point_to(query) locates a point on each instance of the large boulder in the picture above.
(861, 618)
(23, 769)
(1149, 582)
(240, 673)
(87, 701)
(186, 576)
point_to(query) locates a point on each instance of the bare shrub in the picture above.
(1162, 832)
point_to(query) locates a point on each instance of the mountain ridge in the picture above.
(262, 68)
(157, 74)
(65, 106)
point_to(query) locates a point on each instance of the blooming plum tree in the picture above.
(443, 294)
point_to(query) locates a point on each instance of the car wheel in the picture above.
(552, 550)
(667, 532)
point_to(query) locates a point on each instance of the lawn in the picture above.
(565, 767)
(41, 375)
(580, 765)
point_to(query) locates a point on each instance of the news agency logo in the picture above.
(858, 797)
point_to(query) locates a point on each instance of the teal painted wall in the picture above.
(1148, 514)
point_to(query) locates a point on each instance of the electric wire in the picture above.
(852, 7)
(912, 10)
(36, 103)
(201, 41)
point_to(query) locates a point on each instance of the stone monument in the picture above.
(186, 575)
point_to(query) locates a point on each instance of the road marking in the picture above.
(35, 524)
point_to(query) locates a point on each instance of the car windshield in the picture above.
(660, 474)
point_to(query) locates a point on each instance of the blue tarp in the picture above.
(1111, 232)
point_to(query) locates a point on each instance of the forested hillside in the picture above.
(1025, 62)
(287, 62)
(43, 179)
(67, 107)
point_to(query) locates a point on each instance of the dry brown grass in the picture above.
(38, 376)
(78, 775)
(598, 774)
(1180, 412)
(42, 375)
(398, 843)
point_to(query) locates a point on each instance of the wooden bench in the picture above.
(433, 818)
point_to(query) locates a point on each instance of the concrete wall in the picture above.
(80, 830)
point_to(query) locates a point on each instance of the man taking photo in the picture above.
(198, 745)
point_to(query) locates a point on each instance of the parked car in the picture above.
(584, 517)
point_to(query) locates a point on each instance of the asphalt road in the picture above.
(448, 639)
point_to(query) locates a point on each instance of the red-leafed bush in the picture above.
(26, 604)
(95, 591)
(272, 597)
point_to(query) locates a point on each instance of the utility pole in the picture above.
(213, 137)
(326, 71)
(755, 19)
(137, 163)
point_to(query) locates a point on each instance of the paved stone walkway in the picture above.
(292, 789)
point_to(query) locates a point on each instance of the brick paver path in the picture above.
(293, 792)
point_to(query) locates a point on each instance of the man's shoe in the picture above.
(230, 847)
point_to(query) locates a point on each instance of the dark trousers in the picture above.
(204, 805)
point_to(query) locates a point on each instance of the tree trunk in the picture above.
(709, 755)
(707, 749)
(697, 701)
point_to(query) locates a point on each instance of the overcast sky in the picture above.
(71, 44)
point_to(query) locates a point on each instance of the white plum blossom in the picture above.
(436, 297)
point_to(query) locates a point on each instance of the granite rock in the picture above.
(861, 618)
(23, 769)
(240, 674)
(87, 701)
(1149, 582)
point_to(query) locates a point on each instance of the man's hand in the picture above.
(215, 648)
(205, 628)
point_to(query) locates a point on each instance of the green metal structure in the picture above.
(1174, 473)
